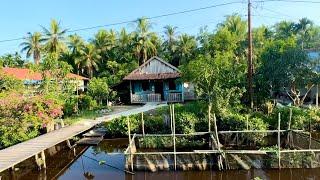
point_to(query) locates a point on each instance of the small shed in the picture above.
(157, 80)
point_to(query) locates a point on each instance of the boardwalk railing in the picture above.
(141, 98)
(174, 97)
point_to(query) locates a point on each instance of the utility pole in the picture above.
(250, 65)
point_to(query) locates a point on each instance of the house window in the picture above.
(145, 86)
(172, 85)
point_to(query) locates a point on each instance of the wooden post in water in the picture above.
(142, 122)
(174, 138)
(279, 142)
(43, 157)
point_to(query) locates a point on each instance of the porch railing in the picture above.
(174, 97)
(189, 96)
(141, 98)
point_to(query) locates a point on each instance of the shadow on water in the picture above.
(61, 164)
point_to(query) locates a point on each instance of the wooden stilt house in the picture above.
(157, 80)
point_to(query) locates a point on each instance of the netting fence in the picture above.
(231, 150)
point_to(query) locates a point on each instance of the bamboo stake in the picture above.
(174, 138)
(209, 117)
(130, 148)
(247, 122)
(309, 133)
(289, 136)
(279, 150)
(142, 124)
(129, 131)
(171, 123)
(290, 119)
(317, 96)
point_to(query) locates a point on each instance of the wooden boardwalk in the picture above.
(13, 155)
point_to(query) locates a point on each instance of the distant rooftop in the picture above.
(27, 74)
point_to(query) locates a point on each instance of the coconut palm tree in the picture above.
(285, 29)
(186, 47)
(54, 37)
(144, 40)
(125, 45)
(105, 41)
(303, 29)
(88, 59)
(236, 25)
(170, 43)
(33, 46)
(75, 44)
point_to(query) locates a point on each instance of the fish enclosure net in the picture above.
(233, 150)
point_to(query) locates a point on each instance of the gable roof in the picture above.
(154, 68)
(27, 74)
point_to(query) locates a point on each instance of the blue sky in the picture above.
(19, 17)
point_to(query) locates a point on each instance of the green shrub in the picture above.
(70, 106)
(87, 103)
(185, 123)
(118, 127)
(155, 124)
(300, 118)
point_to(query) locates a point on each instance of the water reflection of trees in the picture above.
(111, 146)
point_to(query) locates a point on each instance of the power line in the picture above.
(132, 21)
(276, 12)
(289, 1)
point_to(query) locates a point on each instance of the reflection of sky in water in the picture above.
(83, 165)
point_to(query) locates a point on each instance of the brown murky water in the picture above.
(62, 165)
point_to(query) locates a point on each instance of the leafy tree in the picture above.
(11, 60)
(33, 46)
(216, 80)
(287, 67)
(8, 83)
(99, 89)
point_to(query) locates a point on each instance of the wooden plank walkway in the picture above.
(13, 155)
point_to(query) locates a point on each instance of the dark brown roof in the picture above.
(136, 76)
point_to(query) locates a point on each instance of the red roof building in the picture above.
(27, 74)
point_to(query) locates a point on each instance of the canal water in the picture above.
(92, 163)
